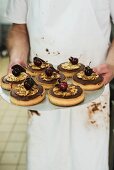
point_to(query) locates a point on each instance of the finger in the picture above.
(107, 78)
(9, 70)
(101, 70)
(23, 64)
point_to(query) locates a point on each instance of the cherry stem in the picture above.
(89, 63)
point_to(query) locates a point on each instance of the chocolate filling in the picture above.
(59, 67)
(79, 92)
(27, 98)
(88, 82)
(53, 81)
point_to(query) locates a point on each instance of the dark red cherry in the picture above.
(88, 71)
(16, 72)
(28, 83)
(53, 69)
(37, 61)
(63, 86)
(18, 67)
(49, 71)
(41, 60)
(73, 60)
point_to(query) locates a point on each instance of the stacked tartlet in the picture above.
(88, 79)
(70, 67)
(49, 77)
(17, 76)
(37, 66)
(64, 94)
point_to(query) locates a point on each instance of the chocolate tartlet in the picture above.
(65, 94)
(49, 77)
(28, 93)
(37, 66)
(71, 67)
(88, 79)
(17, 76)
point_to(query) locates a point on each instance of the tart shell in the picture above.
(69, 101)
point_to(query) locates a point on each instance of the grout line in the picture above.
(12, 164)
(8, 139)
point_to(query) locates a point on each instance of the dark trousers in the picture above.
(111, 144)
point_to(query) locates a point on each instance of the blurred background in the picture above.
(13, 120)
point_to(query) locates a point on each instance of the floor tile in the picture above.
(10, 158)
(7, 167)
(17, 137)
(4, 136)
(20, 128)
(11, 113)
(8, 119)
(23, 158)
(1, 117)
(14, 147)
(21, 120)
(6, 127)
(21, 167)
(4, 105)
(25, 147)
(13, 107)
(2, 146)
(1, 156)
(2, 112)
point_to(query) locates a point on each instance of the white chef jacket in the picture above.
(67, 28)
(70, 138)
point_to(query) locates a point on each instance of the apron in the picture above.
(70, 138)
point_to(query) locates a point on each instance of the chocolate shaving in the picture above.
(34, 111)
(93, 108)
(47, 50)
(93, 122)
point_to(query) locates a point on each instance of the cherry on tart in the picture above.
(71, 67)
(17, 70)
(29, 83)
(28, 93)
(17, 76)
(49, 71)
(49, 77)
(37, 61)
(88, 79)
(63, 86)
(37, 66)
(19, 67)
(73, 60)
(64, 94)
(88, 71)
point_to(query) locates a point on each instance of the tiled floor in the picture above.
(13, 124)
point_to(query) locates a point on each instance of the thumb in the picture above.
(101, 69)
(23, 64)
(96, 70)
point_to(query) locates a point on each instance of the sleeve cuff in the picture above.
(12, 19)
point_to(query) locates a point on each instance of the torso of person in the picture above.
(60, 29)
